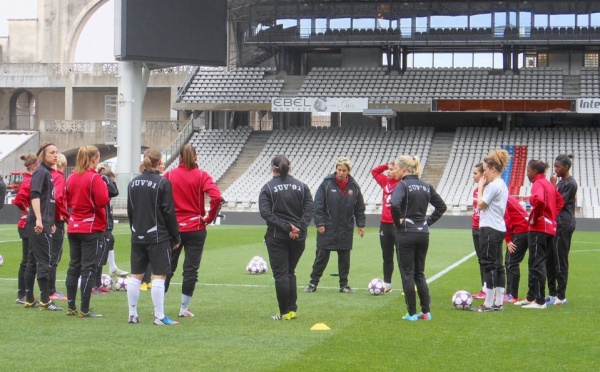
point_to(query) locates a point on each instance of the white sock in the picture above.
(499, 296)
(489, 297)
(111, 260)
(133, 295)
(483, 287)
(158, 297)
(185, 303)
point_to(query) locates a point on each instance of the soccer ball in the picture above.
(106, 281)
(257, 265)
(462, 300)
(1, 260)
(376, 287)
(121, 284)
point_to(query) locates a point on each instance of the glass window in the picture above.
(305, 27)
(541, 20)
(483, 60)
(595, 20)
(542, 60)
(422, 60)
(524, 23)
(481, 20)
(583, 20)
(590, 60)
(463, 60)
(562, 20)
(499, 24)
(442, 60)
(448, 21)
(406, 27)
(340, 23)
(421, 24)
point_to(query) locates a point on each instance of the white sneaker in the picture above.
(559, 302)
(118, 272)
(535, 305)
(186, 314)
(523, 302)
(388, 287)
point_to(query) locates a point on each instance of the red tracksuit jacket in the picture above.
(387, 184)
(59, 196)
(189, 187)
(22, 200)
(545, 202)
(87, 196)
(475, 216)
(515, 218)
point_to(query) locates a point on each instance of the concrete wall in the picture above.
(361, 57)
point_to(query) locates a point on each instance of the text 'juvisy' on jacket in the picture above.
(151, 210)
(410, 200)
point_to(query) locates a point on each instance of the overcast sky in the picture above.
(96, 41)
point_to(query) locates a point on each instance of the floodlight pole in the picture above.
(132, 82)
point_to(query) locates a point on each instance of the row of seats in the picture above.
(472, 144)
(313, 153)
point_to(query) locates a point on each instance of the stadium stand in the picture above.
(217, 149)
(422, 85)
(241, 85)
(472, 144)
(312, 153)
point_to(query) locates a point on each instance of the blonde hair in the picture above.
(61, 161)
(411, 163)
(345, 162)
(152, 160)
(498, 159)
(84, 158)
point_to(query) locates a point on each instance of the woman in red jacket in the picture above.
(62, 216)
(545, 202)
(387, 234)
(516, 220)
(477, 173)
(23, 203)
(189, 186)
(87, 196)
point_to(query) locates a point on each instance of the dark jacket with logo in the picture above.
(286, 203)
(410, 200)
(338, 213)
(151, 210)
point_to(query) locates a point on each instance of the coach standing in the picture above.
(286, 205)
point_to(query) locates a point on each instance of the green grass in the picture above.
(232, 329)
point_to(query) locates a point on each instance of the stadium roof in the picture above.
(263, 10)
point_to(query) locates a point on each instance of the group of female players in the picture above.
(545, 233)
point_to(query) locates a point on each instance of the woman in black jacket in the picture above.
(286, 205)
(339, 204)
(410, 200)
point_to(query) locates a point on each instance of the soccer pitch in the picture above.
(233, 330)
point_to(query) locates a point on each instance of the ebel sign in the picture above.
(588, 105)
(318, 104)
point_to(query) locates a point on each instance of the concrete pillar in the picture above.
(68, 99)
(127, 163)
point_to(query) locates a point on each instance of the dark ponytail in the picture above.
(539, 166)
(565, 160)
(282, 164)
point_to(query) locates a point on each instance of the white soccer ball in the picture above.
(462, 300)
(1, 260)
(106, 281)
(376, 287)
(257, 265)
(121, 283)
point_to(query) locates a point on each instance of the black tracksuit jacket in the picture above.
(151, 210)
(410, 200)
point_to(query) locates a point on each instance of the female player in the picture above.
(87, 196)
(492, 195)
(339, 204)
(286, 205)
(557, 262)
(545, 202)
(387, 236)
(154, 235)
(40, 227)
(516, 220)
(22, 201)
(190, 184)
(409, 203)
(477, 172)
(62, 216)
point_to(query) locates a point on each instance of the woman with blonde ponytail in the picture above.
(87, 196)
(409, 203)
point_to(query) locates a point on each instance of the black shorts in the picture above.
(157, 254)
